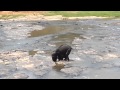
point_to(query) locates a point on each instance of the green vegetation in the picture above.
(84, 13)
(111, 14)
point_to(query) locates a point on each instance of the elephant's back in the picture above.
(64, 48)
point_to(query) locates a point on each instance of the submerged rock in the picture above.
(20, 76)
(74, 71)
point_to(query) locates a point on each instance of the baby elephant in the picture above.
(61, 53)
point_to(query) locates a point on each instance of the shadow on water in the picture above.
(58, 67)
(46, 31)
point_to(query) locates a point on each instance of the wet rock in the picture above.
(40, 73)
(7, 63)
(116, 63)
(1, 61)
(41, 70)
(40, 52)
(39, 22)
(60, 63)
(20, 76)
(110, 56)
(107, 66)
(59, 66)
(4, 72)
(76, 24)
(73, 71)
(24, 62)
(77, 40)
(12, 55)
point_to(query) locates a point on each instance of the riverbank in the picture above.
(57, 15)
(49, 18)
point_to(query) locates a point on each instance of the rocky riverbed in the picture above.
(26, 47)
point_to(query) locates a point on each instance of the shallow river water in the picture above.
(26, 47)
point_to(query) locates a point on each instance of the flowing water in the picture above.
(26, 48)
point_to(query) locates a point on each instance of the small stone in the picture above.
(1, 61)
(75, 71)
(6, 63)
